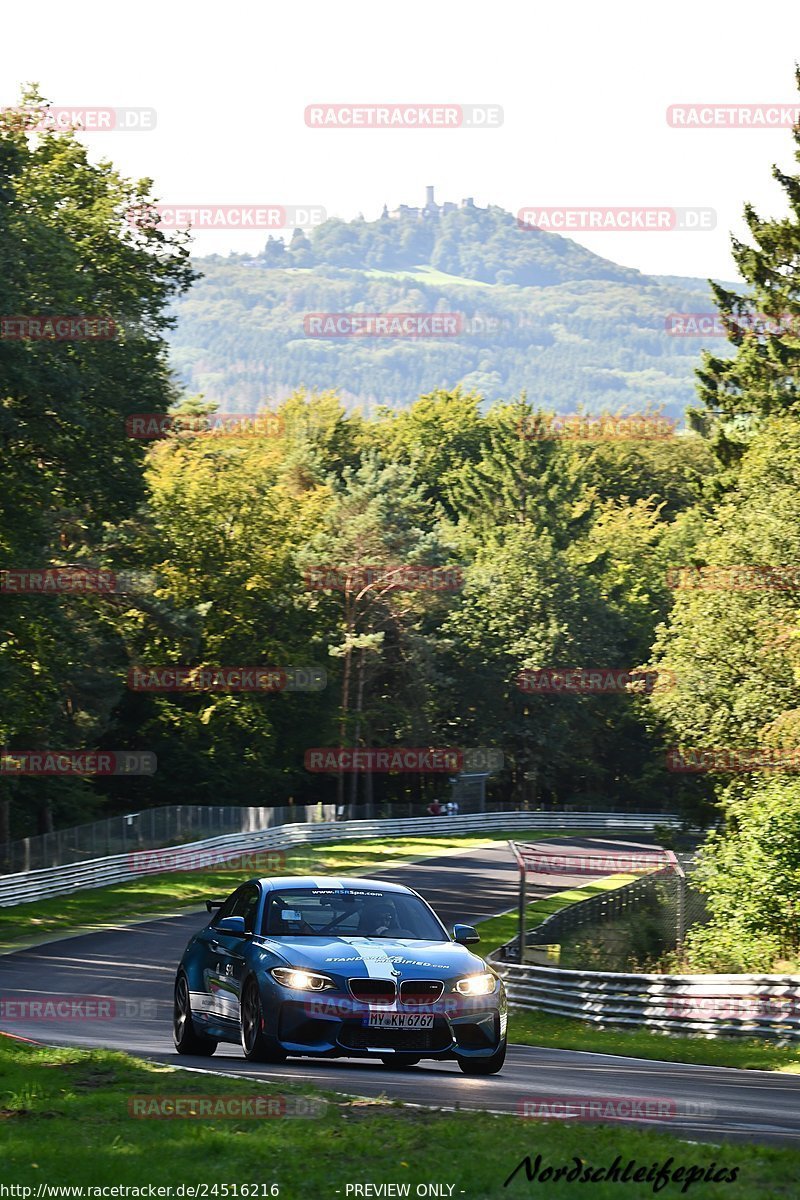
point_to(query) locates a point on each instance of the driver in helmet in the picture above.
(378, 918)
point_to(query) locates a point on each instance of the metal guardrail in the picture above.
(41, 884)
(176, 824)
(706, 1005)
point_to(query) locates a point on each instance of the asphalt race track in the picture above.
(136, 966)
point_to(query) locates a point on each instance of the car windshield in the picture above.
(349, 912)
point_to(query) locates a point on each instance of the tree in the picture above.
(437, 436)
(67, 248)
(556, 579)
(750, 874)
(670, 473)
(274, 253)
(378, 523)
(762, 378)
(224, 525)
(731, 638)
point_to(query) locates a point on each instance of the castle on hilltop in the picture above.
(430, 210)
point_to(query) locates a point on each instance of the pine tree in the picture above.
(762, 378)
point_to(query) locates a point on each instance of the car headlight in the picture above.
(301, 981)
(476, 985)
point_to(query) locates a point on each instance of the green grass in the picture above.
(496, 931)
(565, 1033)
(153, 895)
(65, 1121)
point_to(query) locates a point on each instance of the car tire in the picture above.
(186, 1038)
(400, 1061)
(484, 1066)
(257, 1046)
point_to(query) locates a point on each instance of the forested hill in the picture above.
(536, 311)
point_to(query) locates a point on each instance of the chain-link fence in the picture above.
(154, 828)
(628, 929)
(633, 927)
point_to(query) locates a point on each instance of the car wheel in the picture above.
(400, 1061)
(484, 1066)
(257, 1046)
(186, 1038)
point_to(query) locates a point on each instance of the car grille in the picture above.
(420, 991)
(358, 1037)
(374, 991)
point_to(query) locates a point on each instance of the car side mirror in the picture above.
(231, 925)
(465, 935)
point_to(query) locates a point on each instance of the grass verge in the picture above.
(566, 1033)
(496, 931)
(66, 1121)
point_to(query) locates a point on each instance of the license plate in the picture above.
(395, 1020)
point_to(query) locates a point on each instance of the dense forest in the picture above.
(535, 310)
(564, 552)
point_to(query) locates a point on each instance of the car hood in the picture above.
(376, 957)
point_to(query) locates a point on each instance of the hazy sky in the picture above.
(584, 89)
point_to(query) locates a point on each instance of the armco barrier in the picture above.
(177, 824)
(58, 881)
(705, 1005)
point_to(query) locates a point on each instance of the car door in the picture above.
(226, 961)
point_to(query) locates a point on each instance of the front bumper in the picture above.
(316, 1026)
